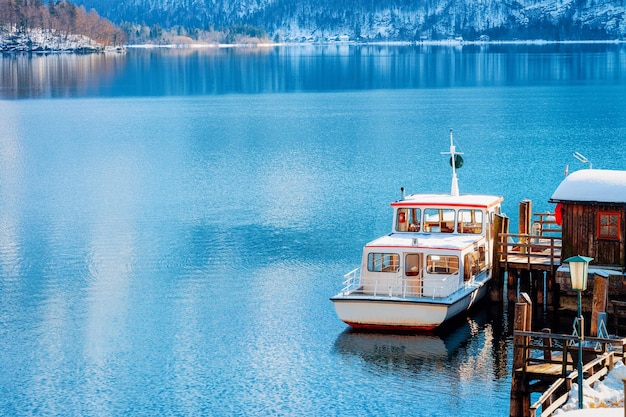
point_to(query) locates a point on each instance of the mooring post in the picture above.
(525, 219)
(520, 395)
(600, 300)
(513, 277)
(547, 345)
(550, 298)
(497, 288)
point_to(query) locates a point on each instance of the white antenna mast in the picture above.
(454, 190)
(582, 159)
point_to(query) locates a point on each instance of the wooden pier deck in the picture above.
(545, 362)
(529, 252)
(530, 262)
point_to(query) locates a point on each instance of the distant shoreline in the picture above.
(84, 46)
(354, 43)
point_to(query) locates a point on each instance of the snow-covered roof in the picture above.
(448, 241)
(471, 200)
(592, 185)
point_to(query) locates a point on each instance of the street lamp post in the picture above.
(579, 268)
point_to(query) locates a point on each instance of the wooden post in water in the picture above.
(500, 225)
(520, 395)
(550, 298)
(600, 300)
(525, 285)
(537, 285)
(513, 276)
(525, 218)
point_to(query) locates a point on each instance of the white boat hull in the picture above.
(368, 312)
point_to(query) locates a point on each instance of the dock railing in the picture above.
(548, 357)
(531, 251)
(546, 224)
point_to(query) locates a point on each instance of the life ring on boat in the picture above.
(558, 214)
(401, 217)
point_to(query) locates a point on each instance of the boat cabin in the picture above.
(591, 209)
(438, 244)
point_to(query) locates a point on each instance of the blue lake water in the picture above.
(173, 222)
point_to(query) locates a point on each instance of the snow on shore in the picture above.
(602, 399)
(40, 40)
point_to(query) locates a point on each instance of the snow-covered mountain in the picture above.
(407, 20)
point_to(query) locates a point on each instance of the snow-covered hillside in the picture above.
(38, 40)
(295, 20)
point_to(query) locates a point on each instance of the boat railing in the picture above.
(441, 286)
(352, 281)
(418, 285)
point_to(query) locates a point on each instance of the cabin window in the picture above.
(442, 264)
(470, 221)
(608, 225)
(408, 220)
(383, 262)
(439, 220)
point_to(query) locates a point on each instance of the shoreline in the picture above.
(201, 45)
(84, 46)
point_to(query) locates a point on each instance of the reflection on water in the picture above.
(454, 362)
(159, 72)
(404, 349)
(411, 350)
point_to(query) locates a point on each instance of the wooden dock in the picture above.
(544, 362)
(527, 265)
(530, 263)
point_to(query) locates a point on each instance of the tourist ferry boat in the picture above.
(435, 263)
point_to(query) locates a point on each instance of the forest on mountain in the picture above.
(20, 17)
(254, 21)
(370, 20)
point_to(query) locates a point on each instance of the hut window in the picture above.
(608, 225)
(383, 262)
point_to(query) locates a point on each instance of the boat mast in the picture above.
(454, 190)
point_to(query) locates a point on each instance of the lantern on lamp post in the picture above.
(579, 269)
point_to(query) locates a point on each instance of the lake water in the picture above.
(173, 222)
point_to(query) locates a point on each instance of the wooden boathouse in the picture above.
(589, 220)
(592, 205)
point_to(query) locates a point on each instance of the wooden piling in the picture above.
(524, 281)
(525, 219)
(513, 277)
(600, 300)
(520, 396)
(500, 225)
